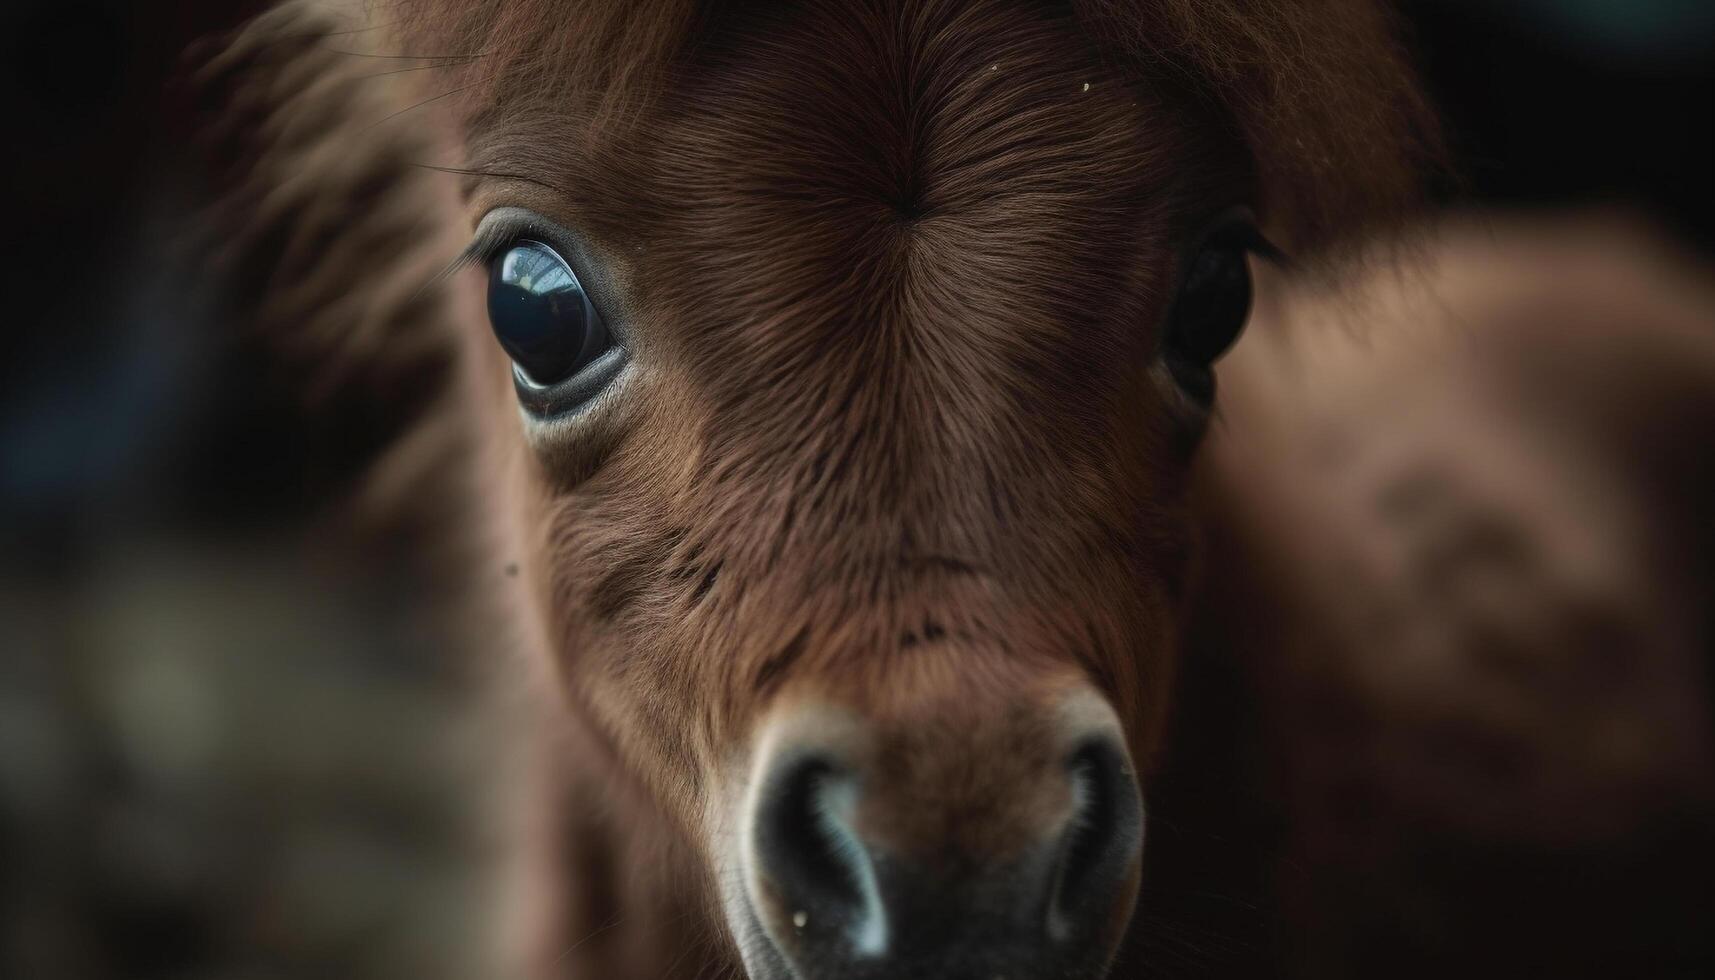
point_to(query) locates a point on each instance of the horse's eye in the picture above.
(1213, 304)
(541, 315)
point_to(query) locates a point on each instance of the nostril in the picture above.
(1101, 841)
(806, 852)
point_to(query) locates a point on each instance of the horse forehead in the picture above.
(871, 204)
(928, 114)
(976, 175)
(818, 132)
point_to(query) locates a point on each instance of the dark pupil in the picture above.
(540, 313)
(1213, 305)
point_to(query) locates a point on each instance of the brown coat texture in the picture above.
(896, 274)
(899, 438)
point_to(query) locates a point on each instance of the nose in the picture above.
(944, 856)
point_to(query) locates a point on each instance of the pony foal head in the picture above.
(850, 357)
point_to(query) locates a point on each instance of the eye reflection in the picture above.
(534, 268)
(541, 314)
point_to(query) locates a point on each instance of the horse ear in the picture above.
(1321, 91)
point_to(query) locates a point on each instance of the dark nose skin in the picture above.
(840, 903)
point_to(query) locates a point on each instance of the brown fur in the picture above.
(896, 272)
(1318, 91)
(1462, 508)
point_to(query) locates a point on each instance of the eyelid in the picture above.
(501, 227)
(1240, 220)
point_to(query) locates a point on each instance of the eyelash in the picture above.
(1241, 218)
(492, 240)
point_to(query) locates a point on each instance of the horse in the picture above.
(847, 465)
(823, 397)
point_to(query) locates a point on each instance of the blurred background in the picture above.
(229, 747)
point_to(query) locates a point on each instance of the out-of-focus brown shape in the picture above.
(1458, 610)
(257, 713)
